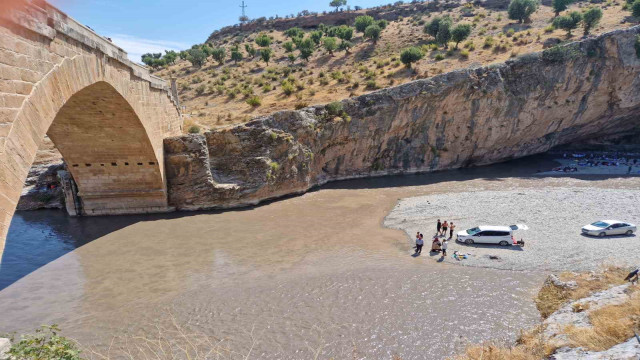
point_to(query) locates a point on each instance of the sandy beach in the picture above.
(554, 216)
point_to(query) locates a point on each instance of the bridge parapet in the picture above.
(49, 21)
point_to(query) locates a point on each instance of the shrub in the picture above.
(557, 54)
(265, 55)
(263, 40)
(330, 44)
(488, 42)
(344, 32)
(363, 22)
(236, 55)
(568, 22)
(549, 29)
(219, 54)
(200, 90)
(294, 32)
(316, 36)
(194, 129)
(372, 32)
(411, 55)
(196, 57)
(382, 24)
(591, 18)
(372, 84)
(439, 57)
(510, 32)
(301, 105)
(335, 108)
(521, 10)
(287, 88)
(254, 101)
(460, 33)
(44, 344)
(345, 46)
(464, 54)
(470, 45)
(288, 46)
(560, 5)
(635, 9)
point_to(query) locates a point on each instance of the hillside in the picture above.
(216, 95)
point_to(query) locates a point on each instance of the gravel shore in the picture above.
(554, 216)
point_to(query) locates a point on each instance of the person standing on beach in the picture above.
(445, 245)
(419, 244)
(451, 227)
(444, 228)
(438, 227)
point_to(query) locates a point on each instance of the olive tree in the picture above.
(411, 55)
(560, 5)
(330, 44)
(460, 33)
(265, 55)
(590, 19)
(568, 22)
(521, 10)
(263, 40)
(373, 32)
(363, 22)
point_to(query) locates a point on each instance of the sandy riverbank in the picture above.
(555, 216)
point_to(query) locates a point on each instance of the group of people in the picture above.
(436, 244)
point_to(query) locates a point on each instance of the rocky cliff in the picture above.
(463, 118)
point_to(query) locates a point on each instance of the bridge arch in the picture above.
(106, 115)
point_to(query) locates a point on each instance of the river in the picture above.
(310, 276)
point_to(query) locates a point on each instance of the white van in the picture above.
(502, 235)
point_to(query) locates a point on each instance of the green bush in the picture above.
(411, 55)
(265, 55)
(44, 344)
(591, 18)
(263, 40)
(521, 10)
(635, 9)
(330, 44)
(461, 32)
(557, 54)
(439, 57)
(560, 5)
(568, 22)
(219, 54)
(363, 22)
(464, 54)
(254, 101)
(488, 42)
(200, 90)
(335, 108)
(372, 32)
(287, 88)
(194, 129)
(288, 46)
(549, 29)
(372, 84)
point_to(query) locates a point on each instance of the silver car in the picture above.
(609, 227)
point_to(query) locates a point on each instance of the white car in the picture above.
(502, 235)
(609, 227)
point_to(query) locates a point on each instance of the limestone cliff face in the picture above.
(583, 90)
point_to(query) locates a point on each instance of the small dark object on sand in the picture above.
(633, 276)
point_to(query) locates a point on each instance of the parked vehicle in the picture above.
(502, 235)
(609, 227)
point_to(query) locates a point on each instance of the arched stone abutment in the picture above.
(107, 115)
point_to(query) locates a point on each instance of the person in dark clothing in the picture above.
(438, 227)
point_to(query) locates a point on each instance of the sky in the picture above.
(142, 26)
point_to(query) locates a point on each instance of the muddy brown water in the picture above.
(311, 276)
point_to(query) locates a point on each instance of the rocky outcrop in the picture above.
(42, 188)
(464, 118)
(628, 350)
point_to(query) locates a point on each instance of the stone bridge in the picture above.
(105, 114)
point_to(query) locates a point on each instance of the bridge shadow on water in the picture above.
(38, 237)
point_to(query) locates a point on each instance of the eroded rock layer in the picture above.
(525, 106)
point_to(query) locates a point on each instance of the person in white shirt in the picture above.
(445, 245)
(419, 244)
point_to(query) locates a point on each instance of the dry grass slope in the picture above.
(216, 94)
(611, 325)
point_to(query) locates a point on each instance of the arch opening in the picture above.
(108, 153)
